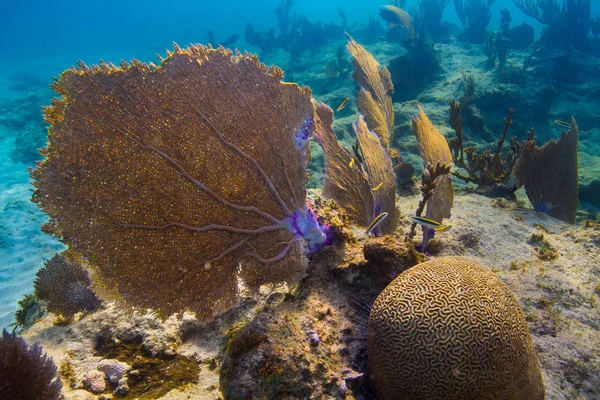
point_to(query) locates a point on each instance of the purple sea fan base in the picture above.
(428, 234)
(304, 224)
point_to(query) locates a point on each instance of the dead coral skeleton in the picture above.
(490, 168)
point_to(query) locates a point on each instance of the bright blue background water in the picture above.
(66, 31)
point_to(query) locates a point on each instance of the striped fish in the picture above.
(376, 222)
(429, 223)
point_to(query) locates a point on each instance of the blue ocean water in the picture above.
(39, 39)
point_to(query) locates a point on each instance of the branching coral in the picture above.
(363, 183)
(364, 186)
(65, 287)
(26, 373)
(550, 175)
(179, 181)
(489, 169)
(380, 171)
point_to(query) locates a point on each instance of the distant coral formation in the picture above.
(550, 175)
(65, 287)
(450, 329)
(26, 373)
(184, 183)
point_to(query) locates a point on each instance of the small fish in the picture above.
(351, 164)
(341, 106)
(375, 223)
(373, 138)
(429, 223)
(376, 188)
(565, 124)
(416, 103)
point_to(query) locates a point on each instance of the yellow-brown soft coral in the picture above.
(345, 181)
(178, 181)
(437, 189)
(373, 99)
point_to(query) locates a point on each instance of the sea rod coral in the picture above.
(180, 183)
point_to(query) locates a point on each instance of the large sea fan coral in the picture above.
(26, 373)
(179, 181)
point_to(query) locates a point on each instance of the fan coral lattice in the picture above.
(25, 372)
(450, 329)
(178, 181)
(550, 175)
(64, 286)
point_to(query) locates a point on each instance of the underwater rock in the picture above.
(115, 370)
(521, 36)
(481, 346)
(590, 192)
(95, 381)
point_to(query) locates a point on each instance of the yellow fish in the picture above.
(416, 103)
(376, 188)
(351, 164)
(341, 106)
(373, 138)
(565, 124)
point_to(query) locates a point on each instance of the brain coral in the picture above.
(450, 329)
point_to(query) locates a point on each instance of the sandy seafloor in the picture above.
(560, 297)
